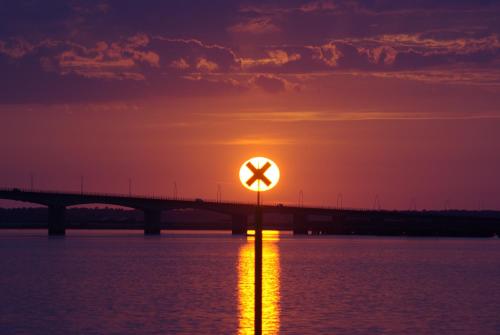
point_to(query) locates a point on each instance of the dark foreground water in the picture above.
(101, 282)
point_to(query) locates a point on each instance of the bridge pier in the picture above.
(57, 220)
(299, 224)
(239, 223)
(152, 221)
(338, 225)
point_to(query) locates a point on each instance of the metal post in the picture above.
(340, 200)
(258, 266)
(376, 203)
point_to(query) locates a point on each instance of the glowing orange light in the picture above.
(259, 174)
(271, 291)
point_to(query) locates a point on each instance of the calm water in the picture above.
(194, 283)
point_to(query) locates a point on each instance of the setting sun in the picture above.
(259, 174)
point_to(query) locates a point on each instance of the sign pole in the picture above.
(258, 266)
(259, 174)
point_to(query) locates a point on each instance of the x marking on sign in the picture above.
(258, 174)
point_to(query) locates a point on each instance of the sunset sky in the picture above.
(399, 99)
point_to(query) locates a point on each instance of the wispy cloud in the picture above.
(19, 47)
(259, 25)
(204, 64)
(366, 8)
(180, 64)
(420, 44)
(452, 76)
(306, 116)
(255, 140)
(116, 60)
(319, 5)
(327, 53)
(274, 57)
(308, 7)
(273, 84)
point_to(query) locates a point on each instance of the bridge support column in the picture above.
(299, 224)
(239, 224)
(339, 225)
(152, 221)
(57, 220)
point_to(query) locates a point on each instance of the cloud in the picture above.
(256, 140)
(90, 8)
(415, 50)
(320, 5)
(214, 83)
(203, 56)
(16, 48)
(110, 69)
(273, 83)
(269, 83)
(179, 64)
(147, 63)
(372, 8)
(118, 60)
(305, 8)
(455, 76)
(274, 57)
(327, 53)
(259, 25)
(347, 116)
(280, 57)
(295, 116)
(204, 64)
(428, 46)
(383, 53)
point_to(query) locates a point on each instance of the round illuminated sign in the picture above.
(259, 174)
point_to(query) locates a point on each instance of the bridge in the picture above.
(339, 221)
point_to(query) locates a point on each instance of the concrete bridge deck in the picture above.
(340, 221)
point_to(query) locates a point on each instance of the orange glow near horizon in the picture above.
(270, 286)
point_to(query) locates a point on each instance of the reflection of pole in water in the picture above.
(258, 266)
(270, 285)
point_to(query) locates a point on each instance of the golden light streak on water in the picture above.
(270, 285)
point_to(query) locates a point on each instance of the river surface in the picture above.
(108, 282)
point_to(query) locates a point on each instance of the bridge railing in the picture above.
(183, 199)
(107, 194)
(120, 195)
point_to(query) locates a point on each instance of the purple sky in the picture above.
(399, 99)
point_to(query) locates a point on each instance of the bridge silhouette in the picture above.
(341, 221)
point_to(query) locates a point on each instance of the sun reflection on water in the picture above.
(270, 285)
